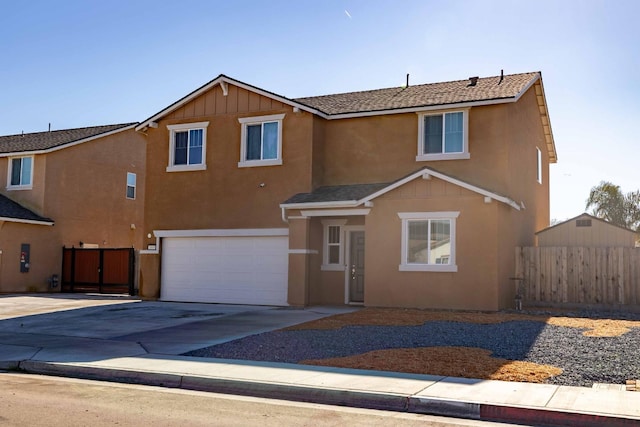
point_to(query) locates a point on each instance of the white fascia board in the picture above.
(334, 212)
(62, 147)
(26, 221)
(219, 80)
(527, 87)
(430, 172)
(229, 232)
(422, 109)
(322, 205)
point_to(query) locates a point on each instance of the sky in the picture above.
(83, 63)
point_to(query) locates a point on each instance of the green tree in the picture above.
(611, 204)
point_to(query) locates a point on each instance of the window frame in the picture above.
(539, 165)
(464, 154)
(134, 186)
(245, 122)
(173, 129)
(20, 186)
(326, 224)
(406, 218)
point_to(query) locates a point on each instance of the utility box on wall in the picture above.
(25, 250)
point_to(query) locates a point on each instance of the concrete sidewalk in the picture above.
(95, 339)
(525, 403)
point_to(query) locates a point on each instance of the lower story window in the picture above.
(333, 247)
(428, 241)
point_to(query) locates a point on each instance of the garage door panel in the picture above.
(240, 270)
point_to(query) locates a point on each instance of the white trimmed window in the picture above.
(333, 246)
(261, 141)
(539, 165)
(131, 185)
(187, 147)
(443, 136)
(428, 241)
(20, 174)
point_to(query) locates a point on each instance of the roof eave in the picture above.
(546, 121)
(426, 172)
(418, 109)
(322, 205)
(26, 221)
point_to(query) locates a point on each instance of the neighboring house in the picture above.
(73, 187)
(405, 197)
(587, 230)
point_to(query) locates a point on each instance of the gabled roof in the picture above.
(40, 142)
(585, 216)
(223, 81)
(342, 196)
(424, 95)
(14, 212)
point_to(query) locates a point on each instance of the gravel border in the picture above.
(584, 360)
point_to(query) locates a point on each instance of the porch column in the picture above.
(299, 253)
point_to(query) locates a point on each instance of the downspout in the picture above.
(284, 217)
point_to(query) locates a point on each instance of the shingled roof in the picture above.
(424, 95)
(12, 211)
(337, 193)
(40, 141)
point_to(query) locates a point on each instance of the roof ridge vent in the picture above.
(473, 81)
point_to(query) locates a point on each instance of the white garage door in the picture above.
(233, 270)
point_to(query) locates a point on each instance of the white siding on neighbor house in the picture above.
(232, 270)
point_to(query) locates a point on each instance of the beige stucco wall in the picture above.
(600, 234)
(225, 196)
(502, 141)
(473, 286)
(83, 189)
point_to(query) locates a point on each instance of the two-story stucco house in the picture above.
(405, 197)
(72, 187)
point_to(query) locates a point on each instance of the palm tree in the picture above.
(611, 204)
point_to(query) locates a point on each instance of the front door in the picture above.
(356, 267)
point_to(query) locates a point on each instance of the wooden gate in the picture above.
(105, 271)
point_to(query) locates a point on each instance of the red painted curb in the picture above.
(541, 417)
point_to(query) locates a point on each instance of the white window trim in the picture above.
(405, 217)
(421, 157)
(326, 223)
(9, 170)
(539, 165)
(135, 186)
(182, 127)
(246, 121)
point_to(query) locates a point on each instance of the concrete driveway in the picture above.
(83, 328)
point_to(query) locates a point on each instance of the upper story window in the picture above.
(187, 147)
(443, 136)
(539, 165)
(20, 173)
(428, 241)
(261, 141)
(131, 185)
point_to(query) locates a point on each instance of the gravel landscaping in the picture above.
(583, 360)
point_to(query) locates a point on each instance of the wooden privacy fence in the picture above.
(579, 275)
